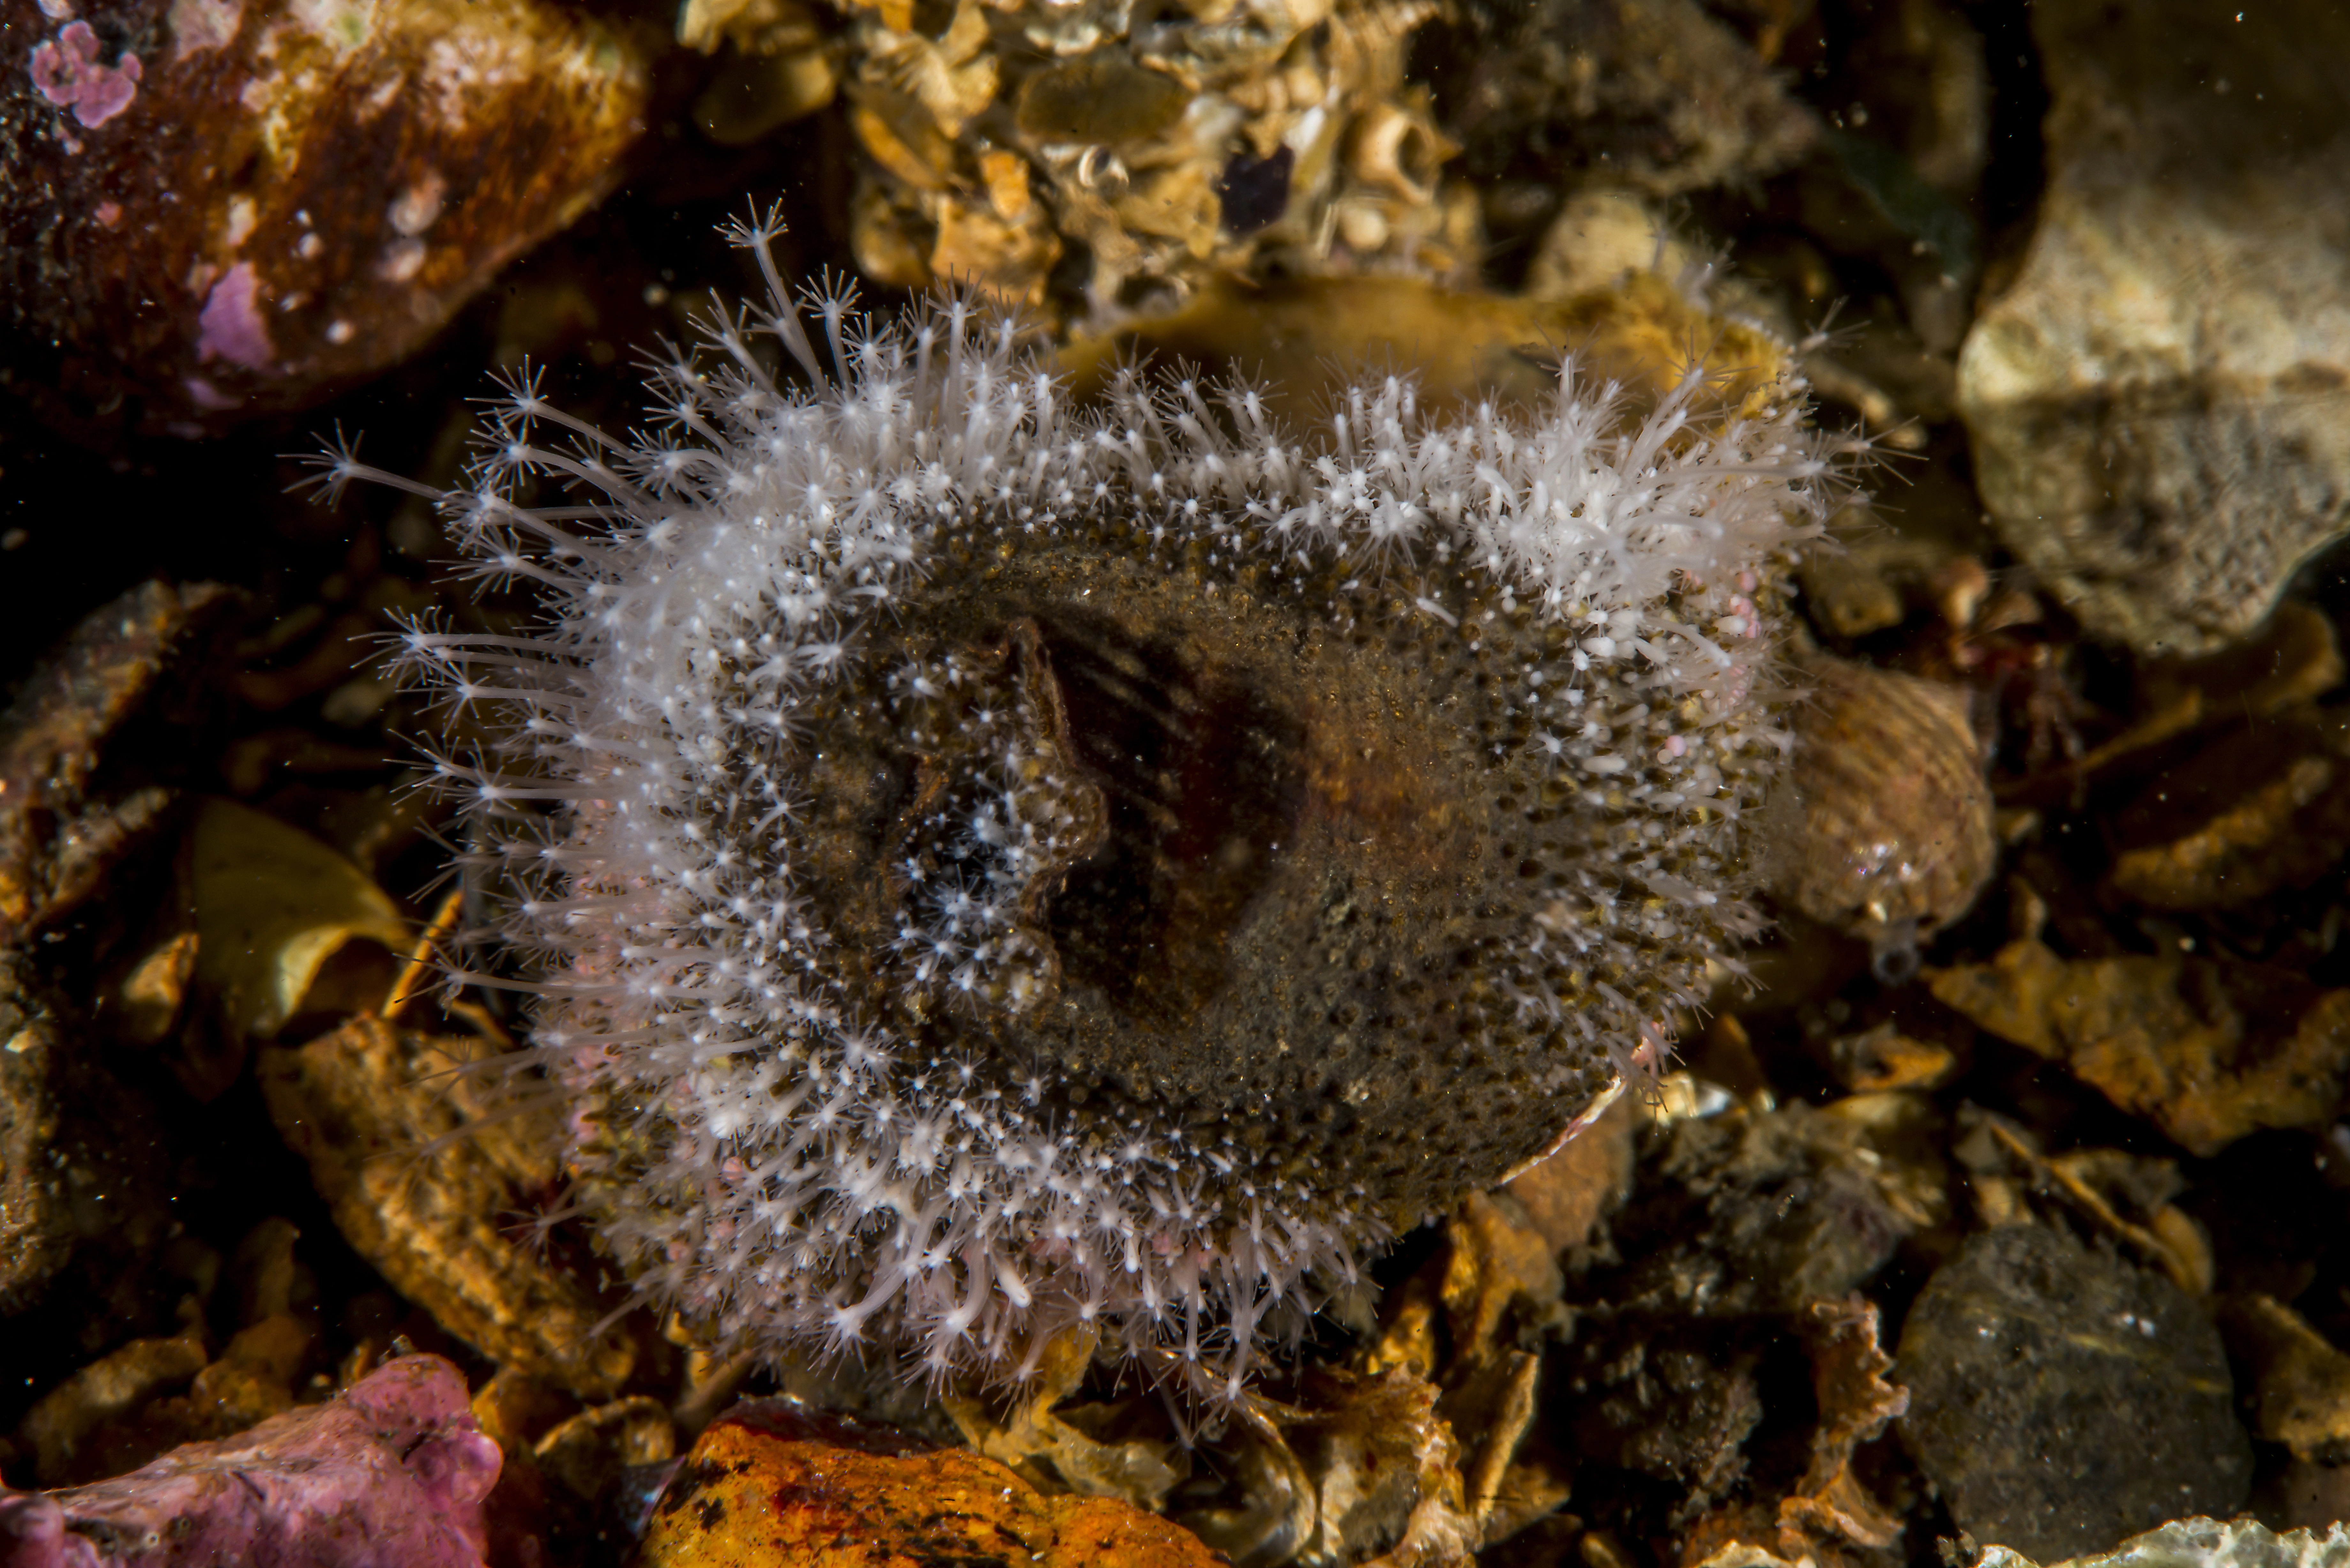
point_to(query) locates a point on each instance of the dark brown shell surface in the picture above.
(1302, 849)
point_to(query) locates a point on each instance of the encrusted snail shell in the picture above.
(1883, 826)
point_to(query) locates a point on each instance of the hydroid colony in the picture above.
(992, 867)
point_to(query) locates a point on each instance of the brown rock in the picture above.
(1830, 1519)
(1657, 93)
(517, 1409)
(82, 1181)
(1882, 1059)
(2300, 1384)
(1501, 1290)
(1673, 1401)
(254, 1377)
(229, 206)
(1567, 1195)
(1831, 1505)
(587, 1453)
(35, 1235)
(1501, 1271)
(771, 1482)
(1848, 595)
(1365, 1466)
(2264, 809)
(2291, 661)
(2310, 1496)
(2061, 1400)
(420, 1181)
(1055, 1447)
(1751, 1212)
(2207, 1051)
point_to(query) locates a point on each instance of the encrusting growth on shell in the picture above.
(995, 867)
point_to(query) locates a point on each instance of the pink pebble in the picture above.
(393, 1473)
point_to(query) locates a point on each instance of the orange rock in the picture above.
(773, 1482)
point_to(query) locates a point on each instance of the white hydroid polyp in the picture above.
(893, 1005)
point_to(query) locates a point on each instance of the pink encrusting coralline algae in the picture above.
(390, 1474)
(65, 72)
(989, 867)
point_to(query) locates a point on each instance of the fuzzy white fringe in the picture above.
(755, 1153)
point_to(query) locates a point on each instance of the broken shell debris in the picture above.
(1151, 155)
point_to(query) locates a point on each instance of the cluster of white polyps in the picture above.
(754, 1148)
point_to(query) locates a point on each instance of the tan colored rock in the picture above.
(424, 1185)
(254, 1379)
(2160, 399)
(114, 1386)
(2207, 1051)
